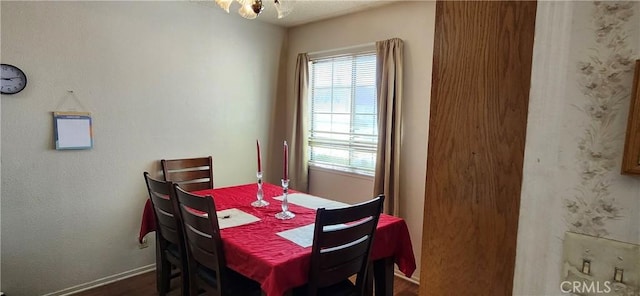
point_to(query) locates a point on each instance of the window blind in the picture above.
(343, 131)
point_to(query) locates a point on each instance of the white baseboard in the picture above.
(144, 269)
(411, 279)
(103, 281)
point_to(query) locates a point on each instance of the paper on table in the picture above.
(301, 236)
(234, 217)
(312, 202)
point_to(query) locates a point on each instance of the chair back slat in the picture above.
(349, 214)
(179, 164)
(344, 254)
(188, 172)
(190, 187)
(202, 255)
(199, 228)
(200, 225)
(345, 234)
(340, 272)
(342, 244)
(167, 225)
(178, 176)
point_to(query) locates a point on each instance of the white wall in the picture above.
(0, 181)
(562, 179)
(162, 80)
(413, 22)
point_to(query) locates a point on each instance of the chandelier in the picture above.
(250, 9)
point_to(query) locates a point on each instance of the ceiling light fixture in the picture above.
(250, 9)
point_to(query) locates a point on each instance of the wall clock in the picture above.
(13, 79)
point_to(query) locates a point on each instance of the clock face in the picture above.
(13, 79)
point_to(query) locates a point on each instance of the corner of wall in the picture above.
(1, 201)
(540, 221)
(278, 131)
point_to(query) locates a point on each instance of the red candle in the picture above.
(285, 174)
(259, 158)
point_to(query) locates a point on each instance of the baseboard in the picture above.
(103, 281)
(144, 269)
(411, 279)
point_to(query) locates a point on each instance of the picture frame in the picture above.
(72, 130)
(631, 156)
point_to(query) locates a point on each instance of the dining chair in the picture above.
(190, 173)
(341, 248)
(170, 247)
(205, 254)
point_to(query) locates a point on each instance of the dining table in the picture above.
(259, 250)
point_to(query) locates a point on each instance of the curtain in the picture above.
(389, 58)
(299, 145)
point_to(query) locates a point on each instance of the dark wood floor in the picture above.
(145, 285)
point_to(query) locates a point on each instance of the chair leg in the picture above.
(192, 280)
(185, 278)
(165, 278)
(163, 272)
(383, 276)
(368, 281)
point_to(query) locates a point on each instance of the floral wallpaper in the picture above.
(584, 53)
(604, 74)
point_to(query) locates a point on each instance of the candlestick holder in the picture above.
(285, 214)
(260, 203)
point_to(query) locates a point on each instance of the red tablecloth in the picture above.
(256, 251)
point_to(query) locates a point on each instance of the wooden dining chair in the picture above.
(170, 248)
(205, 255)
(190, 173)
(341, 248)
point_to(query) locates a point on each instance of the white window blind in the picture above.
(343, 131)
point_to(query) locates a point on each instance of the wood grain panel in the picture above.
(480, 93)
(631, 156)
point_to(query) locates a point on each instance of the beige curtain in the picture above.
(299, 145)
(389, 57)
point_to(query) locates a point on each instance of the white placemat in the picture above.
(312, 202)
(234, 217)
(301, 236)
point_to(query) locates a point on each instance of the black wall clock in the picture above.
(13, 79)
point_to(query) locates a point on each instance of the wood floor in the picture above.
(145, 285)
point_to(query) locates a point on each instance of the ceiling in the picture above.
(306, 11)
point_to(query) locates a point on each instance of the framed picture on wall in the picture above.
(72, 130)
(631, 156)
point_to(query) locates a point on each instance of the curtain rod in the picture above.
(342, 50)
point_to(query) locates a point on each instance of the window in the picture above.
(343, 131)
